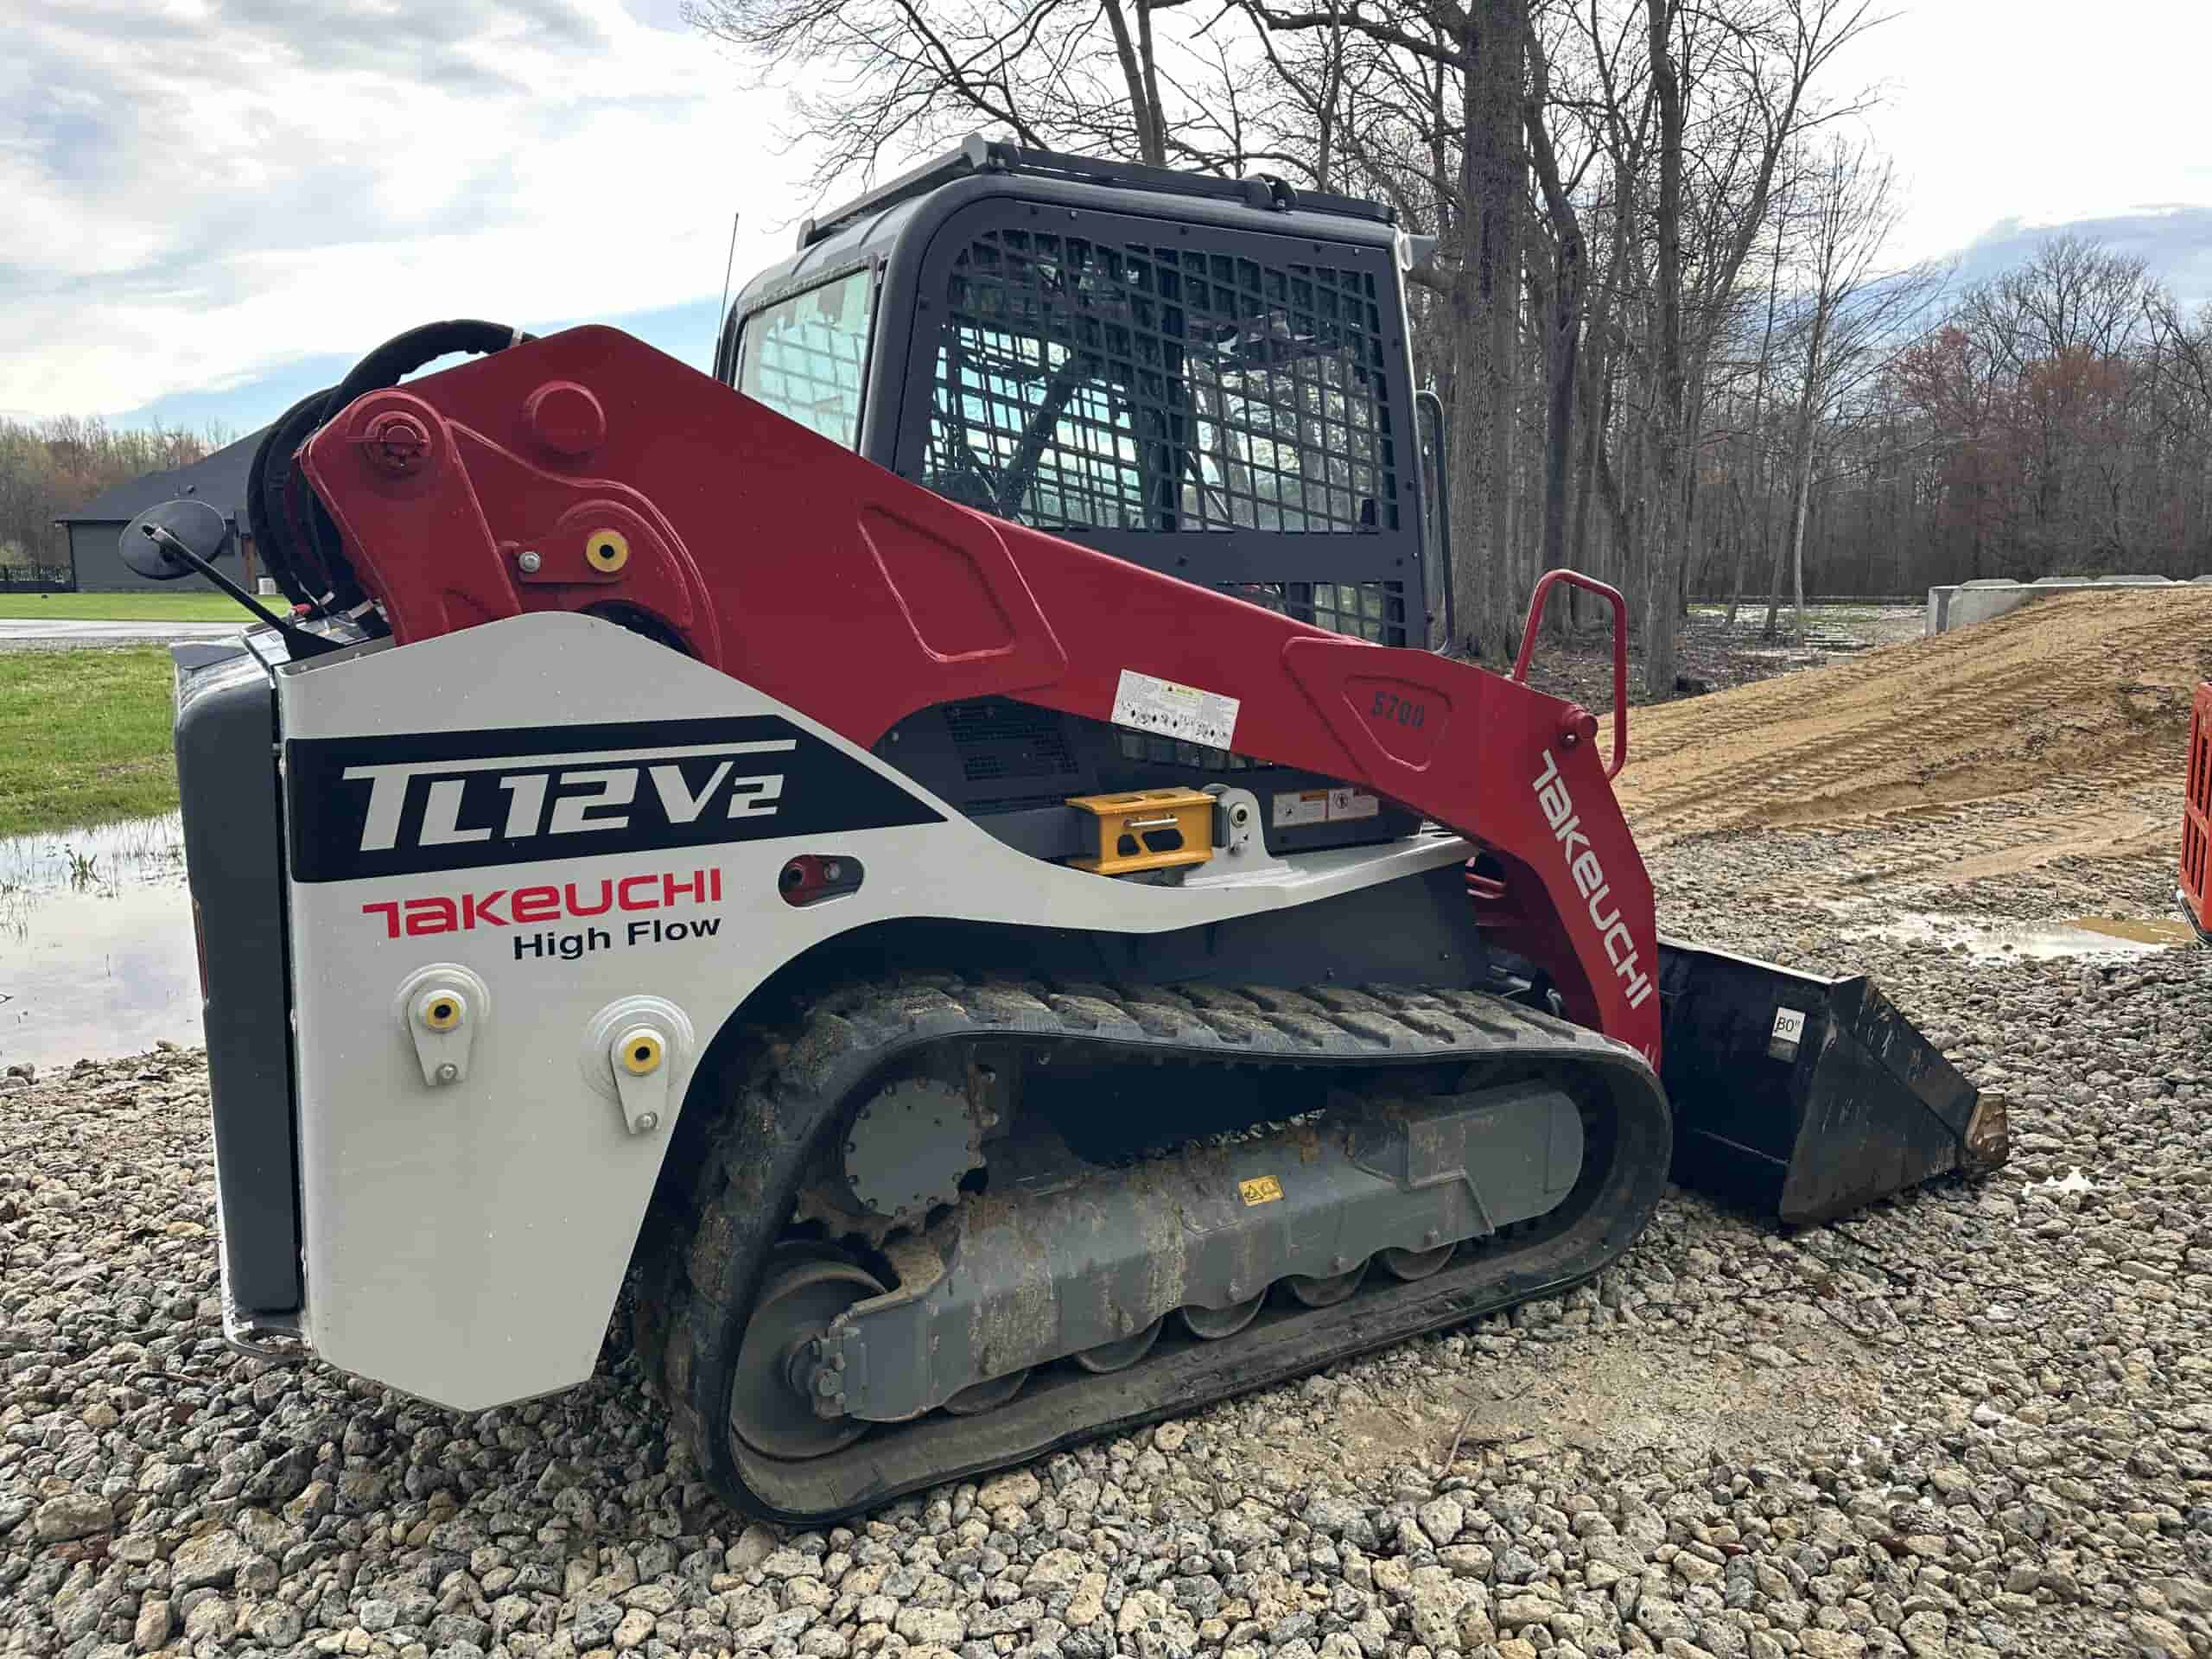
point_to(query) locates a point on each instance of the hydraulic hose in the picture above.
(293, 534)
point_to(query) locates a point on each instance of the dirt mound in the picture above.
(2058, 729)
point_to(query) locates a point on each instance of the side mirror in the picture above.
(195, 525)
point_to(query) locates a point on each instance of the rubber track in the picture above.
(715, 1223)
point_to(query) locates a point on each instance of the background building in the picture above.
(90, 532)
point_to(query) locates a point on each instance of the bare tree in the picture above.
(1596, 174)
(1755, 66)
(1756, 446)
(1853, 318)
(881, 79)
(57, 466)
(1471, 59)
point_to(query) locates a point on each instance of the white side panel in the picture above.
(465, 1242)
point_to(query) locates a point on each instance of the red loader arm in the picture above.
(588, 472)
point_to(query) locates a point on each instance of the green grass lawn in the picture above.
(198, 604)
(84, 737)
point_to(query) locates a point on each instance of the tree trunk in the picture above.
(1798, 538)
(1808, 409)
(1472, 482)
(1570, 278)
(1660, 641)
(1758, 425)
(1142, 78)
(1693, 439)
(1482, 303)
(1780, 562)
(1586, 466)
(1494, 135)
(1736, 578)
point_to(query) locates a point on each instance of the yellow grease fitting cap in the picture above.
(608, 549)
(641, 1052)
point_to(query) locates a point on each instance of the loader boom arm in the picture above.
(587, 471)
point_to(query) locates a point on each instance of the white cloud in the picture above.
(199, 192)
(2038, 111)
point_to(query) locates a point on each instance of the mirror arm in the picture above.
(302, 642)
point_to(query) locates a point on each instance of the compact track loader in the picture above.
(940, 856)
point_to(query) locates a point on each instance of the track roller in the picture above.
(1325, 1293)
(1120, 1356)
(1410, 1265)
(980, 1397)
(1212, 1324)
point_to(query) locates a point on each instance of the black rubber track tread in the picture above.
(716, 1219)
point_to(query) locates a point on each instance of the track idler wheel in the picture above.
(1212, 1324)
(768, 1406)
(1120, 1355)
(1410, 1265)
(979, 1397)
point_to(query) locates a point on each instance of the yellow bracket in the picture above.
(1146, 829)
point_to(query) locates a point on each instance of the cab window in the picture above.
(806, 356)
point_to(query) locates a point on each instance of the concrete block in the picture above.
(1969, 602)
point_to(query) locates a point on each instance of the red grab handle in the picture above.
(1620, 650)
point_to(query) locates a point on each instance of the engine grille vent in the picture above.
(1003, 740)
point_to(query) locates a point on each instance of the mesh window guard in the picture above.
(1365, 610)
(1083, 384)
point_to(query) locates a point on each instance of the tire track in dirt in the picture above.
(2011, 834)
(2055, 733)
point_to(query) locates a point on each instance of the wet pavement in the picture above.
(16, 632)
(96, 948)
(2104, 938)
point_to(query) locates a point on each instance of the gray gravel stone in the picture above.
(596, 1621)
(71, 1514)
(1969, 1423)
(211, 1561)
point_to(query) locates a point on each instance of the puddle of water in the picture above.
(96, 950)
(2077, 935)
(2160, 933)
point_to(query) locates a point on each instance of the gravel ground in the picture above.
(1972, 1421)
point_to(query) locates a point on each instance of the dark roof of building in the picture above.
(218, 480)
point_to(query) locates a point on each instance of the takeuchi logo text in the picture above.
(462, 912)
(1589, 877)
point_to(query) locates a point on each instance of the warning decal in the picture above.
(1352, 803)
(1294, 808)
(1146, 703)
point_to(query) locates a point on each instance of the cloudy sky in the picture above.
(213, 206)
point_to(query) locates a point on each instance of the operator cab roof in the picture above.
(870, 226)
